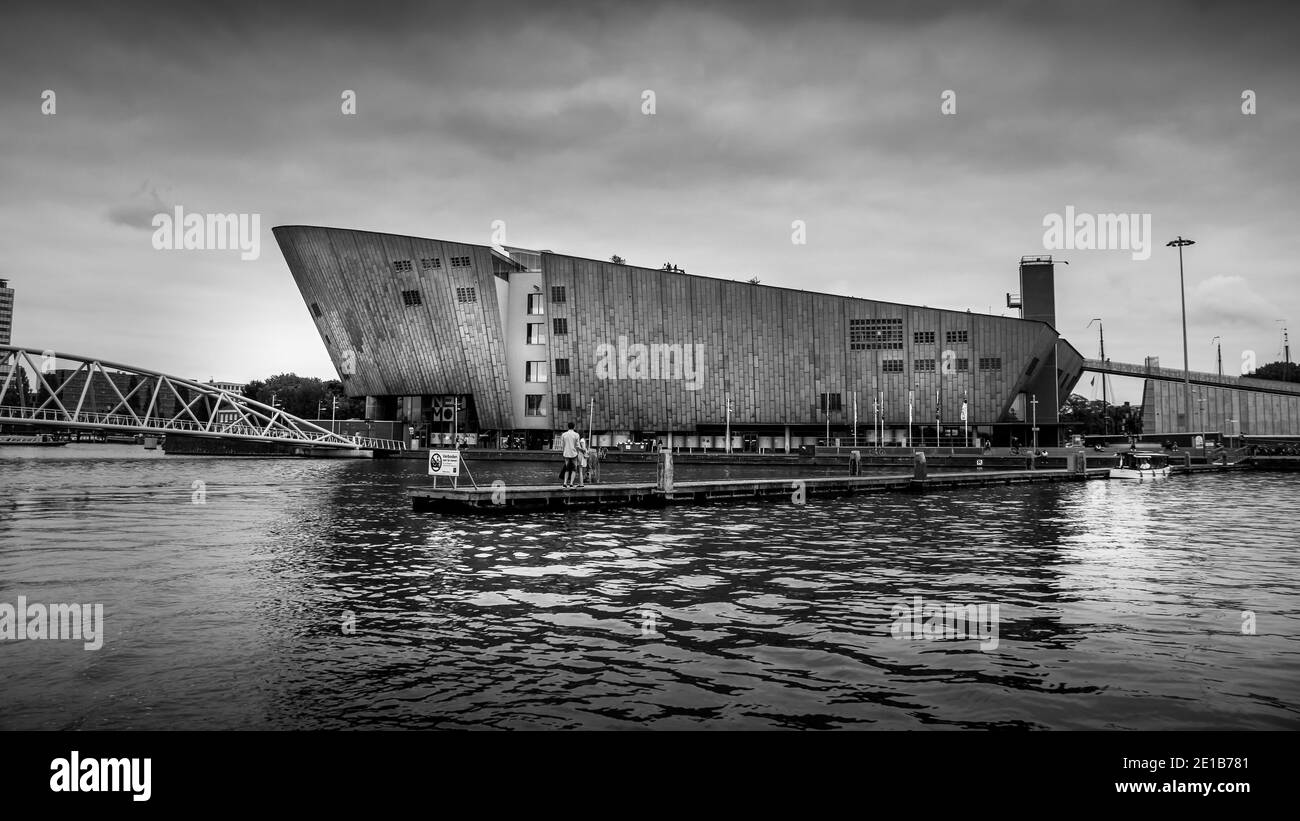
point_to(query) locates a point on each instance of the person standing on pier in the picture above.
(569, 441)
(582, 461)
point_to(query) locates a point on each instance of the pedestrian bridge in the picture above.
(57, 390)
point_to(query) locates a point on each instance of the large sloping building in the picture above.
(517, 342)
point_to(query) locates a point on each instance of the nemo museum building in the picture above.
(506, 346)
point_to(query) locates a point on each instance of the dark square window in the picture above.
(561, 367)
(561, 326)
(410, 298)
(557, 294)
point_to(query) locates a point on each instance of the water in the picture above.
(1121, 604)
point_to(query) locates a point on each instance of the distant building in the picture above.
(518, 343)
(6, 312)
(228, 417)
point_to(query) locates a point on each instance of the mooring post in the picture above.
(666, 471)
(918, 465)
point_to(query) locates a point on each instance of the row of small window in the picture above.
(428, 264)
(533, 403)
(412, 298)
(537, 303)
(949, 337)
(536, 333)
(986, 363)
(535, 371)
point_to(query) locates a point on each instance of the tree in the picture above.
(1280, 371)
(617, 260)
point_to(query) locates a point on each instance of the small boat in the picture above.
(39, 440)
(1140, 464)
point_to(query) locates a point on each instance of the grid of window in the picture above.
(560, 326)
(563, 402)
(315, 309)
(561, 367)
(891, 366)
(535, 371)
(536, 333)
(557, 294)
(963, 364)
(410, 298)
(536, 305)
(402, 265)
(430, 263)
(875, 334)
(466, 295)
(460, 262)
(533, 404)
(951, 337)
(923, 365)
(830, 400)
(990, 363)
(923, 338)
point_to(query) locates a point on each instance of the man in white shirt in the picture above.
(569, 441)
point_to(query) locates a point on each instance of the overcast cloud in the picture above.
(766, 113)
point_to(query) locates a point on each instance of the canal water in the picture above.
(297, 594)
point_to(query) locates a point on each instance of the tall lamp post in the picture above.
(1181, 243)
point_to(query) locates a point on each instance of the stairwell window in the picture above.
(533, 404)
(535, 371)
(536, 334)
(536, 305)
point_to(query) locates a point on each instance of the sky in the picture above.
(764, 114)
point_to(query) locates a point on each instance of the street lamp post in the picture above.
(1181, 243)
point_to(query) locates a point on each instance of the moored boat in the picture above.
(1140, 464)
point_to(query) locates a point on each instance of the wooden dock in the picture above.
(509, 499)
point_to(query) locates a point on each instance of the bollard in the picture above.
(918, 465)
(666, 472)
(855, 462)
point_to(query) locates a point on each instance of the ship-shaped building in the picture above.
(507, 344)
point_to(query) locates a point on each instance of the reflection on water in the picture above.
(306, 594)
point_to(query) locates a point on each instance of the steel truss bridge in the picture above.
(78, 392)
(1241, 383)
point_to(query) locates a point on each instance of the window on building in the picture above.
(560, 326)
(460, 262)
(875, 334)
(831, 400)
(563, 402)
(963, 364)
(557, 294)
(561, 367)
(430, 263)
(891, 366)
(466, 295)
(1033, 364)
(923, 365)
(536, 333)
(410, 298)
(990, 363)
(923, 338)
(402, 265)
(535, 371)
(533, 404)
(953, 337)
(315, 309)
(536, 305)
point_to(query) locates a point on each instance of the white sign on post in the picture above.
(444, 463)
